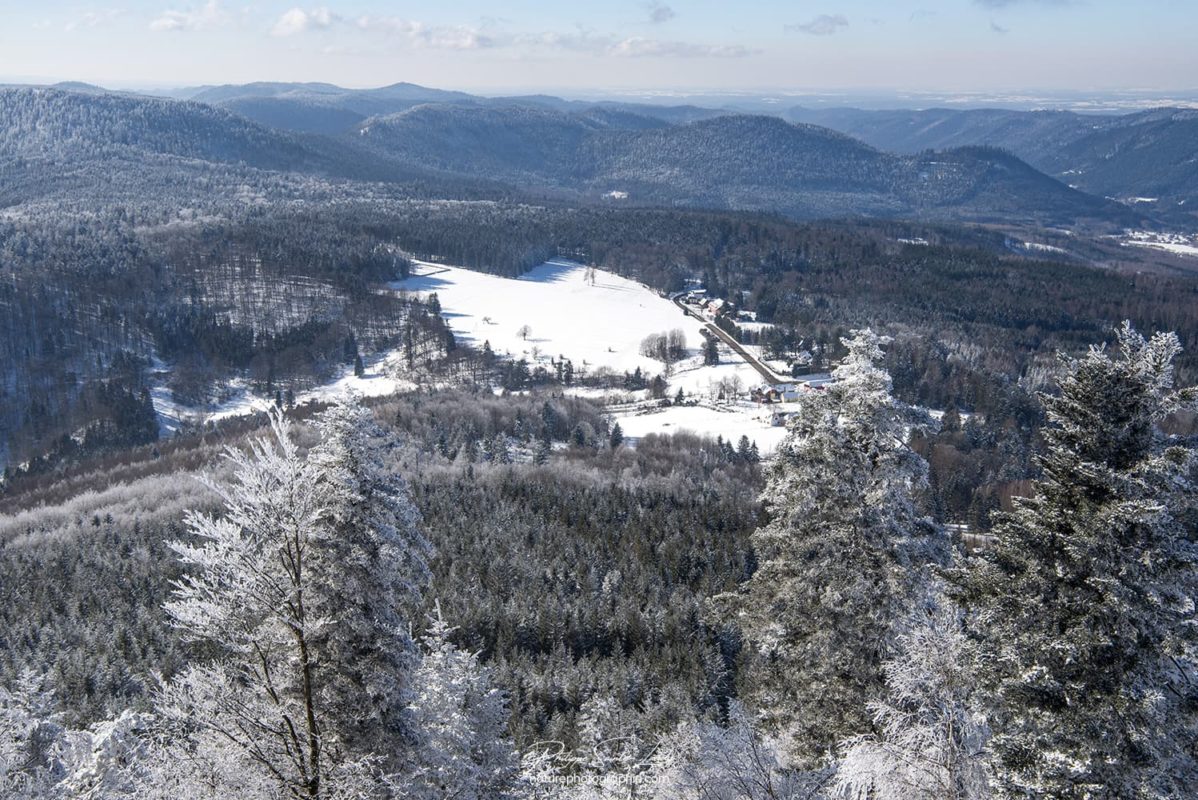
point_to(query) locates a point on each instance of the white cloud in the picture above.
(298, 20)
(207, 17)
(93, 19)
(823, 25)
(418, 34)
(596, 44)
(640, 48)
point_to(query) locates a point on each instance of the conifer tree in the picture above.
(369, 570)
(842, 559)
(1085, 604)
(461, 721)
(617, 436)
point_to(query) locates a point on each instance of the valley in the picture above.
(406, 443)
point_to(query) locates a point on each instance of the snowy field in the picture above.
(1176, 243)
(595, 326)
(597, 323)
(743, 420)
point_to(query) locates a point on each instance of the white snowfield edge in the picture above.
(595, 318)
(594, 325)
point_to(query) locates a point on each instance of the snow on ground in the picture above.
(599, 325)
(595, 326)
(377, 379)
(741, 420)
(1044, 248)
(1171, 242)
(698, 380)
(172, 415)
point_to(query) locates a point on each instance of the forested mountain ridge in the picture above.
(734, 162)
(1145, 155)
(55, 125)
(731, 161)
(106, 147)
(324, 108)
(316, 107)
(1148, 154)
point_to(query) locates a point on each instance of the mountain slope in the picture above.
(318, 107)
(87, 147)
(62, 125)
(1151, 154)
(733, 161)
(515, 143)
(1029, 134)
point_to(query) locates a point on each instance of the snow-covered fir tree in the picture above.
(841, 558)
(369, 568)
(1085, 604)
(931, 740)
(30, 757)
(461, 721)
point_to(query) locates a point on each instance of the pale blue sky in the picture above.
(517, 45)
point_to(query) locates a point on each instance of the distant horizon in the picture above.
(1098, 100)
(677, 47)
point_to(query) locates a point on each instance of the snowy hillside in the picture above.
(595, 318)
(599, 324)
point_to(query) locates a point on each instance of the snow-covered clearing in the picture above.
(594, 325)
(1177, 243)
(594, 318)
(377, 379)
(1044, 248)
(740, 420)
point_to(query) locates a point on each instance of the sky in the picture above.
(611, 45)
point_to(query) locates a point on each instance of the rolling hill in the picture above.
(1149, 157)
(59, 143)
(731, 161)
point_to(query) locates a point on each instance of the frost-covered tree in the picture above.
(41, 759)
(461, 721)
(841, 558)
(298, 592)
(703, 760)
(1085, 604)
(109, 760)
(930, 742)
(369, 570)
(30, 758)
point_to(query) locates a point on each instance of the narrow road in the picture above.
(768, 374)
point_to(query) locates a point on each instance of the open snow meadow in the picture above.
(595, 324)
(560, 309)
(597, 319)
